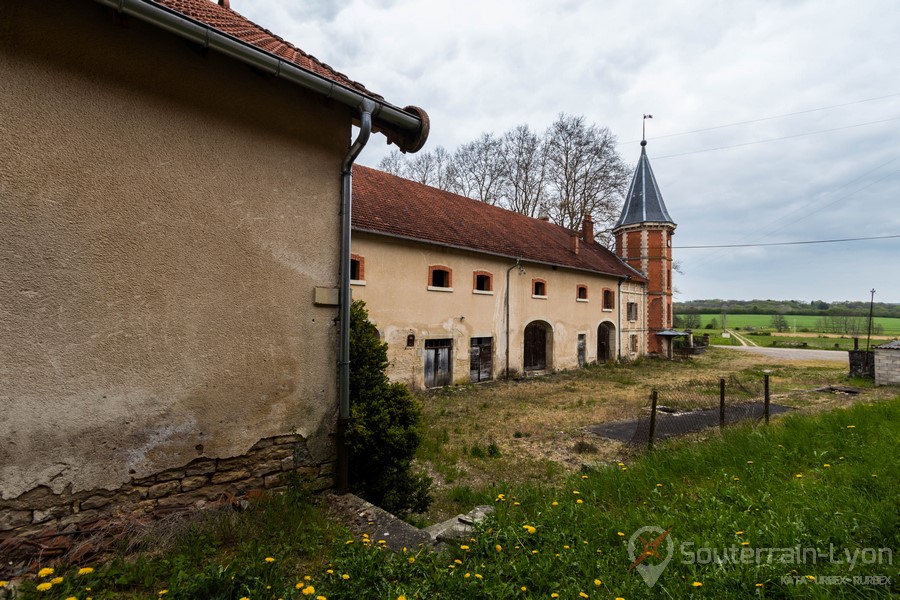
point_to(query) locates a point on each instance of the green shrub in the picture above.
(385, 431)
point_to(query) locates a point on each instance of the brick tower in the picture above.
(644, 241)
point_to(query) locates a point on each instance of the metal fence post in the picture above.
(766, 392)
(653, 398)
(721, 402)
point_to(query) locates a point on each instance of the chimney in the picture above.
(225, 3)
(587, 229)
(574, 242)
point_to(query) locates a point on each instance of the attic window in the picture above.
(440, 278)
(483, 281)
(609, 299)
(582, 293)
(538, 288)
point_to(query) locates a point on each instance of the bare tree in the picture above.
(585, 174)
(523, 160)
(478, 169)
(394, 163)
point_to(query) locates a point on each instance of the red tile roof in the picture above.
(233, 24)
(390, 205)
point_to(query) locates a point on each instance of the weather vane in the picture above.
(644, 128)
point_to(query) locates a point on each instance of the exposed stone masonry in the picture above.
(40, 522)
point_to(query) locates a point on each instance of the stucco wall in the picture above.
(399, 303)
(165, 215)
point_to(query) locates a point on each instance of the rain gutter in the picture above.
(506, 304)
(408, 127)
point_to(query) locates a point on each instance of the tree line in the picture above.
(570, 170)
(787, 308)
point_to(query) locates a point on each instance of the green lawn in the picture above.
(802, 494)
(891, 325)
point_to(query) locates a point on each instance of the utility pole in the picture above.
(871, 306)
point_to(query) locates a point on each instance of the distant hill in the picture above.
(786, 307)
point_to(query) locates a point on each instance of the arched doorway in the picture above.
(538, 346)
(606, 342)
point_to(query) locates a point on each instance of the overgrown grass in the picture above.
(826, 482)
(890, 325)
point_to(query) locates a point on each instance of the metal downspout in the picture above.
(343, 454)
(619, 324)
(506, 301)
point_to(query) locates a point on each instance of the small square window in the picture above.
(440, 277)
(539, 288)
(582, 292)
(484, 281)
(357, 268)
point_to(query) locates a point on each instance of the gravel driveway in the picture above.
(794, 353)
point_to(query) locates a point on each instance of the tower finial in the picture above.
(644, 130)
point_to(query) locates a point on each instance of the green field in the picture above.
(808, 322)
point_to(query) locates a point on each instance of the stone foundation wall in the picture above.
(40, 522)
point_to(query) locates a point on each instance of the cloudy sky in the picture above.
(775, 121)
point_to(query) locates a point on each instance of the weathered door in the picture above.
(480, 359)
(535, 347)
(582, 342)
(437, 363)
(603, 346)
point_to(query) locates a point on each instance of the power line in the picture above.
(787, 137)
(799, 112)
(881, 237)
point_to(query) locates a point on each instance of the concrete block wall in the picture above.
(887, 367)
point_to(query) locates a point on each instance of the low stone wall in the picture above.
(40, 522)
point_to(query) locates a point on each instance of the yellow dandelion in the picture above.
(576, 492)
(463, 547)
(659, 485)
(799, 475)
(759, 585)
(848, 427)
(624, 468)
(308, 590)
(524, 588)
(579, 501)
(584, 476)
(736, 478)
(45, 572)
(810, 577)
(317, 598)
(534, 551)
(43, 587)
(827, 466)
(478, 576)
(3, 584)
(269, 559)
(467, 575)
(749, 462)
(71, 598)
(162, 592)
(412, 559)
(401, 597)
(696, 584)
(345, 577)
(457, 561)
(874, 475)
(554, 503)
(583, 595)
(554, 595)
(56, 580)
(85, 570)
(598, 582)
(516, 504)
(498, 548)
(330, 571)
(621, 464)
(529, 528)
(620, 534)
(738, 533)
(244, 598)
(745, 543)
(307, 578)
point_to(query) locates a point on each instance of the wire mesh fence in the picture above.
(697, 404)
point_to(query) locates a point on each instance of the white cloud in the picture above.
(487, 66)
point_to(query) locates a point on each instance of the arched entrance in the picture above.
(538, 346)
(606, 342)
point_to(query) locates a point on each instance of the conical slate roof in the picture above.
(644, 202)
